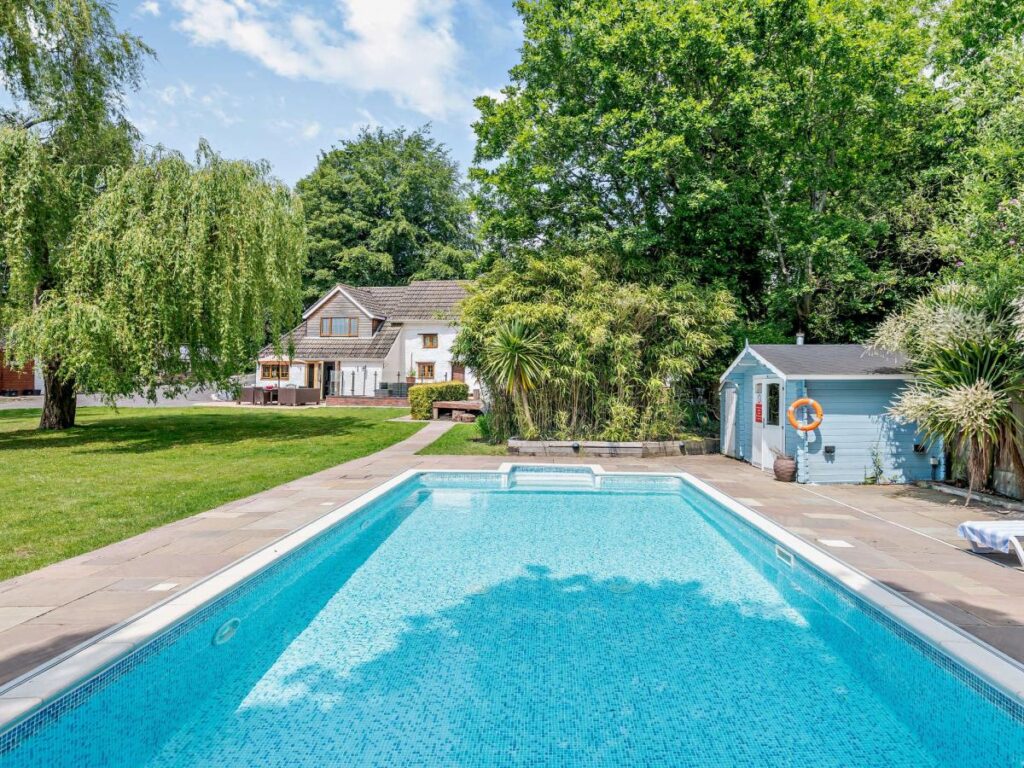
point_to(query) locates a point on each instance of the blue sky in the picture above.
(280, 80)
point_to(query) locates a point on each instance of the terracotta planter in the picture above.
(785, 469)
(410, 379)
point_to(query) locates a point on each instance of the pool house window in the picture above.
(425, 371)
(339, 326)
(772, 418)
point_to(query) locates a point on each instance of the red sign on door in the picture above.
(758, 413)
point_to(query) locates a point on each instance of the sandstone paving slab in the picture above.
(12, 616)
(52, 593)
(108, 607)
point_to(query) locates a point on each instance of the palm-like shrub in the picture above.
(965, 348)
(620, 358)
(514, 358)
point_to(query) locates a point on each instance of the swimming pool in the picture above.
(534, 616)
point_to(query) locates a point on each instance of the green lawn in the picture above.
(119, 473)
(462, 440)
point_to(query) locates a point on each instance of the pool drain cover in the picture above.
(226, 632)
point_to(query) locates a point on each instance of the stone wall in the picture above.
(610, 448)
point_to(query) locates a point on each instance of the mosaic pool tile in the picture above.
(457, 621)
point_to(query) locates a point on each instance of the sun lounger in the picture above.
(995, 536)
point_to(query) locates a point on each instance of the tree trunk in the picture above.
(59, 400)
(524, 406)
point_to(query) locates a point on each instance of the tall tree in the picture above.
(768, 143)
(122, 272)
(173, 275)
(64, 64)
(385, 207)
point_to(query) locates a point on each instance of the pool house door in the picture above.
(729, 420)
(767, 431)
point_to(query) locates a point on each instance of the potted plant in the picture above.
(784, 467)
(411, 377)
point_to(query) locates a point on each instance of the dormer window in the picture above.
(339, 326)
(429, 340)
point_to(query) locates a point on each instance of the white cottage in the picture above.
(371, 342)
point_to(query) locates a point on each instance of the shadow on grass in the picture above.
(158, 430)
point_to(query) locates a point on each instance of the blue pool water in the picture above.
(457, 622)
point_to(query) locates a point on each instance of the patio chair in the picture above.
(994, 536)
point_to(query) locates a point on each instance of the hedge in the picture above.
(422, 396)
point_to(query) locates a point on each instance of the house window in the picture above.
(339, 326)
(425, 371)
(429, 340)
(274, 370)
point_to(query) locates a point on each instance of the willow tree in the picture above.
(119, 272)
(173, 275)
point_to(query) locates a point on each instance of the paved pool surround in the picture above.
(904, 537)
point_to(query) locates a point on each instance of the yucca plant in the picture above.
(515, 358)
(963, 346)
(964, 394)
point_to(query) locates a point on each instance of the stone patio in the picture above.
(905, 537)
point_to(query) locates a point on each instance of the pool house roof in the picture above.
(824, 361)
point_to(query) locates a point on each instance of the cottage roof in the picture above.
(375, 347)
(420, 300)
(425, 299)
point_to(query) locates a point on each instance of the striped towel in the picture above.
(992, 534)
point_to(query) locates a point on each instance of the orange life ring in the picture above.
(798, 403)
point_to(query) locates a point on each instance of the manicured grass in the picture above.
(462, 440)
(119, 473)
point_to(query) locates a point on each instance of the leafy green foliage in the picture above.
(618, 358)
(172, 276)
(515, 359)
(64, 62)
(778, 147)
(123, 272)
(964, 338)
(423, 396)
(384, 208)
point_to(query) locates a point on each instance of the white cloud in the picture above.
(163, 107)
(405, 48)
(495, 93)
(365, 119)
(296, 130)
(149, 8)
(311, 130)
(173, 95)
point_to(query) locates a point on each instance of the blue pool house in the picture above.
(857, 440)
